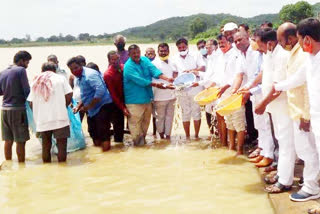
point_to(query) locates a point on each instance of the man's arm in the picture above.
(68, 99)
(237, 82)
(24, 83)
(272, 95)
(293, 81)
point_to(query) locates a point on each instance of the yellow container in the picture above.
(229, 105)
(207, 96)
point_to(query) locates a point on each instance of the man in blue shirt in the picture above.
(137, 83)
(14, 87)
(96, 100)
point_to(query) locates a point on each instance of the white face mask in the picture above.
(203, 51)
(184, 53)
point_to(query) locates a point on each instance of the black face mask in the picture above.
(120, 46)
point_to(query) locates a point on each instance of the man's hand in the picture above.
(245, 96)
(170, 86)
(243, 90)
(195, 84)
(260, 108)
(158, 85)
(222, 90)
(304, 125)
(126, 112)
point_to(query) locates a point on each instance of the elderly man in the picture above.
(14, 87)
(164, 99)
(120, 43)
(229, 30)
(249, 66)
(137, 83)
(150, 54)
(295, 85)
(54, 59)
(187, 62)
(211, 46)
(49, 98)
(96, 100)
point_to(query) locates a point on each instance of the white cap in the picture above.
(230, 26)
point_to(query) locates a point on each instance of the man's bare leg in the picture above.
(106, 146)
(197, 124)
(21, 152)
(186, 127)
(240, 142)
(62, 149)
(222, 128)
(46, 149)
(232, 134)
(8, 149)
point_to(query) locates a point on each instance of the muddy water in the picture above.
(162, 177)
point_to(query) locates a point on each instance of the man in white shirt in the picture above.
(274, 70)
(49, 98)
(203, 52)
(164, 99)
(250, 63)
(221, 73)
(54, 59)
(308, 32)
(186, 62)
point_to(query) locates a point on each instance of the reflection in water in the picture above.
(157, 178)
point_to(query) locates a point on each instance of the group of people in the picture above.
(276, 71)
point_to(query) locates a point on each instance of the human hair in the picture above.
(182, 40)
(52, 57)
(201, 41)
(267, 24)
(74, 60)
(245, 26)
(110, 53)
(117, 37)
(221, 36)
(267, 34)
(82, 60)
(309, 27)
(163, 45)
(133, 47)
(21, 55)
(48, 66)
(92, 65)
(290, 31)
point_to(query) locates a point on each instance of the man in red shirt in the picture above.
(114, 81)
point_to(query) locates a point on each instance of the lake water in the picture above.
(162, 177)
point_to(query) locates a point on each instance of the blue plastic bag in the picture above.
(76, 141)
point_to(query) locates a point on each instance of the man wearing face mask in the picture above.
(164, 99)
(308, 33)
(113, 78)
(96, 100)
(274, 70)
(186, 62)
(299, 112)
(137, 85)
(201, 45)
(120, 43)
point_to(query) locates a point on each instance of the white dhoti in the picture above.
(263, 124)
(306, 150)
(283, 128)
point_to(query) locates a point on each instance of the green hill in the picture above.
(175, 27)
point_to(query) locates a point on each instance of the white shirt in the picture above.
(309, 72)
(274, 70)
(51, 114)
(249, 64)
(190, 62)
(167, 69)
(222, 69)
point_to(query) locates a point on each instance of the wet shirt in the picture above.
(113, 77)
(137, 79)
(14, 87)
(93, 86)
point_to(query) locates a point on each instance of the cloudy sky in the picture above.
(51, 17)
